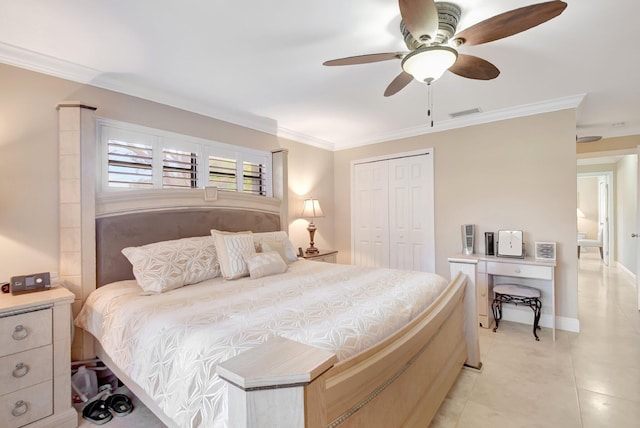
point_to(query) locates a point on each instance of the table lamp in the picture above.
(311, 209)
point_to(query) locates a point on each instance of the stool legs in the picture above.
(496, 306)
(536, 305)
(533, 303)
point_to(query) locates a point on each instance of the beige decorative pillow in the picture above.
(167, 265)
(280, 236)
(265, 264)
(271, 245)
(231, 248)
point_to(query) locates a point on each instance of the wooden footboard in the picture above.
(400, 382)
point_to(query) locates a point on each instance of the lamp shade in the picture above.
(311, 209)
(429, 63)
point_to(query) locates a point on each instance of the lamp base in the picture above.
(312, 232)
(311, 250)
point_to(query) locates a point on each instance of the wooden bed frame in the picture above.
(400, 382)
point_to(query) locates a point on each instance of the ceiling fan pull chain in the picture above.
(430, 103)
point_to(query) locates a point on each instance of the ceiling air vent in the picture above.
(465, 112)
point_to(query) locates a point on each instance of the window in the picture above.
(222, 173)
(136, 157)
(129, 164)
(253, 176)
(179, 169)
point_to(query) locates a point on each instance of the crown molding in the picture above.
(34, 61)
(30, 60)
(556, 104)
(305, 139)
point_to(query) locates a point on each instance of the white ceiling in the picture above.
(259, 63)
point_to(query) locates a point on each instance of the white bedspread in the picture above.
(170, 343)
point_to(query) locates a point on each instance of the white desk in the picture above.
(487, 270)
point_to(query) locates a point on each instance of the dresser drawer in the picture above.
(327, 259)
(520, 270)
(25, 331)
(26, 405)
(18, 371)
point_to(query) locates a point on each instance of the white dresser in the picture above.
(485, 270)
(35, 372)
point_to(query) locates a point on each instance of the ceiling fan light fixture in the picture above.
(429, 63)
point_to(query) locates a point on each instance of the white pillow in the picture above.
(280, 236)
(167, 265)
(265, 264)
(231, 248)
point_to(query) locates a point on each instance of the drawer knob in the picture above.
(518, 270)
(21, 370)
(19, 332)
(20, 408)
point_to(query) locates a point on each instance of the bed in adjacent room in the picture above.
(397, 339)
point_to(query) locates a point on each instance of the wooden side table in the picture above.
(327, 256)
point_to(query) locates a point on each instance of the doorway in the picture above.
(595, 211)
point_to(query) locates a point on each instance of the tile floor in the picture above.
(589, 380)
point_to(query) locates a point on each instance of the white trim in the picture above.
(420, 152)
(306, 139)
(476, 119)
(30, 60)
(624, 269)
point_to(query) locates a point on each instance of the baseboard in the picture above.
(624, 269)
(525, 316)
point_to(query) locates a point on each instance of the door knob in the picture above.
(635, 235)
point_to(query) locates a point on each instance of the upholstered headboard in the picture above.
(147, 221)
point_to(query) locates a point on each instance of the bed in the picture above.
(407, 362)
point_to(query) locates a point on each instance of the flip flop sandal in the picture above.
(120, 404)
(97, 412)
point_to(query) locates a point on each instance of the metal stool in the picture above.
(517, 294)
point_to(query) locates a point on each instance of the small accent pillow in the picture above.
(270, 245)
(231, 248)
(167, 265)
(280, 236)
(265, 264)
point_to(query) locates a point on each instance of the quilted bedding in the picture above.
(170, 343)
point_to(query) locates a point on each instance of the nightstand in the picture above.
(35, 360)
(327, 256)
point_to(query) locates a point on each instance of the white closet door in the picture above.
(371, 225)
(411, 213)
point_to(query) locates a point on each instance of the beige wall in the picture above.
(518, 173)
(310, 175)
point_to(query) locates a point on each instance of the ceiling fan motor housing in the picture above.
(448, 17)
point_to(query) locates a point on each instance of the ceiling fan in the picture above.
(429, 31)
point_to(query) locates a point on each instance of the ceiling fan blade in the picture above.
(588, 139)
(402, 80)
(510, 23)
(473, 67)
(365, 59)
(420, 17)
